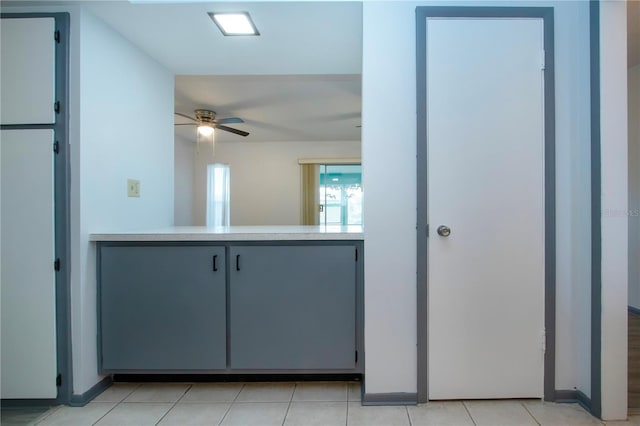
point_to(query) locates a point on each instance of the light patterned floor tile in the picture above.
(266, 392)
(21, 416)
(195, 414)
(321, 391)
(256, 414)
(359, 415)
(212, 392)
(448, 413)
(135, 414)
(355, 391)
(158, 392)
(316, 414)
(499, 413)
(631, 421)
(116, 392)
(78, 416)
(552, 414)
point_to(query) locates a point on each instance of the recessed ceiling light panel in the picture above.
(234, 23)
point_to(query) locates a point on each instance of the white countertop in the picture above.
(236, 233)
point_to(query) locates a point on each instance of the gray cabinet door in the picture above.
(163, 308)
(293, 307)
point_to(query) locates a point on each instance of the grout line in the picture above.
(469, 413)
(46, 414)
(406, 409)
(185, 392)
(231, 404)
(190, 385)
(532, 416)
(117, 402)
(346, 421)
(105, 414)
(295, 385)
(135, 388)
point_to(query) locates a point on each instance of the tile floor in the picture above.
(306, 403)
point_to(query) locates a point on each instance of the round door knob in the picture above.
(444, 231)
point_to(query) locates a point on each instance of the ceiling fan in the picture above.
(206, 121)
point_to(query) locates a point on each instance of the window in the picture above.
(340, 194)
(331, 191)
(217, 195)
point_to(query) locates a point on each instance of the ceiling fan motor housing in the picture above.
(205, 117)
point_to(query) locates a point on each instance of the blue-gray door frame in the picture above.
(61, 209)
(546, 14)
(595, 402)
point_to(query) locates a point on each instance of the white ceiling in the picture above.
(295, 37)
(298, 81)
(275, 107)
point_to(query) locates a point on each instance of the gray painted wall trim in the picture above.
(547, 15)
(596, 208)
(399, 398)
(573, 396)
(62, 190)
(634, 311)
(566, 395)
(584, 400)
(85, 398)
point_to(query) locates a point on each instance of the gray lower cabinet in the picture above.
(266, 308)
(293, 307)
(162, 308)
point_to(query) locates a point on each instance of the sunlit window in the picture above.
(217, 195)
(340, 194)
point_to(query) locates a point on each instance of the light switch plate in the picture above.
(133, 188)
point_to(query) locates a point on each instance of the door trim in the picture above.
(546, 14)
(596, 212)
(61, 209)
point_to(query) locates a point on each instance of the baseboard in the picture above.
(399, 398)
(574, 396)
(584, 400)
(566, 396)
(180, 377)
(85, 398)
(634, 311)
(36, 403)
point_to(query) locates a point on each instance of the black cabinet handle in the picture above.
(215, 263)
(237, 262)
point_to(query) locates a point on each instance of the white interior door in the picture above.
(27, 70)
(486, 183)
(27, 277)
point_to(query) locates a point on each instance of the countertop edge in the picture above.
(186, 237)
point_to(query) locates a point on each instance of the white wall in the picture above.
(185, 155)
(390, 259)
(634, 186)
(614, 161)
(126, 131)
(265, 178)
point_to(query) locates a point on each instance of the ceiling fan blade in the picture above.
(185, 116)
(229, 129)
(229, 120)
(184, 124)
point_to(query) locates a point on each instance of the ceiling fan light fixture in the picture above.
(234, 23)
(205, 129)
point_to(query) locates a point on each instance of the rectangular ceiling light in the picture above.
(234, 23)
